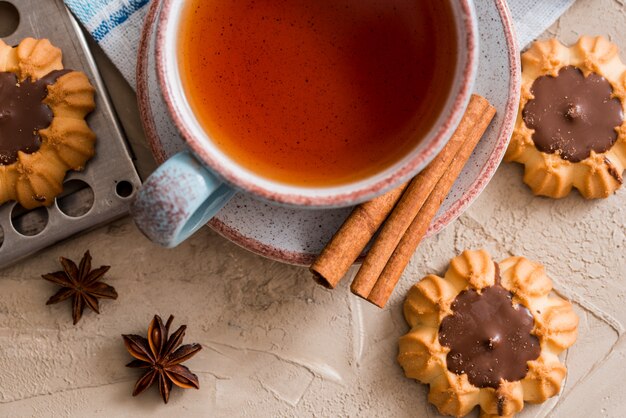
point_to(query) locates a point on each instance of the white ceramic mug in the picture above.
(191, 187)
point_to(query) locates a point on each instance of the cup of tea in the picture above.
(312, 104)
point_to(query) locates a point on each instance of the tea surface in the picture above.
(317, 93)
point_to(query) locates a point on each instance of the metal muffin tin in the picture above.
(92, 197)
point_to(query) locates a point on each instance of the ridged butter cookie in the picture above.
(43, 132)
(570, 129)
(487, 334)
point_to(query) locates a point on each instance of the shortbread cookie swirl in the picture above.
(43, 132)
(487, 334)
(570, 129)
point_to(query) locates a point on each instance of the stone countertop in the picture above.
(275, 343)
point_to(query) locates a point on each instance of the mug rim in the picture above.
(332, 196)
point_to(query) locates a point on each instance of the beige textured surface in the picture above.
(277, 344)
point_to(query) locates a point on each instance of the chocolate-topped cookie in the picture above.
(490, 338)
(23, 113)
(487, 334)
(570, 130)
(43, 133)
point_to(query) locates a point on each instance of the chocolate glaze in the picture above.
(573, 114)
(613, 171)
(23, 113)
(489, 338)
(500, 405)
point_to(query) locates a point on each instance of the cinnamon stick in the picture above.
(472, 128)
(352, 238)
(411, 202)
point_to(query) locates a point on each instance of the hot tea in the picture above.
(317, 93)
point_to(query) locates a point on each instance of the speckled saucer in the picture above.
(297, 236)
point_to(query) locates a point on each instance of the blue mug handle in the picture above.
(178, 199)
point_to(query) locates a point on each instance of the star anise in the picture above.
(162, 357)
(81, 283)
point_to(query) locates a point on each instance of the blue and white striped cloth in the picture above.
(116, 24)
